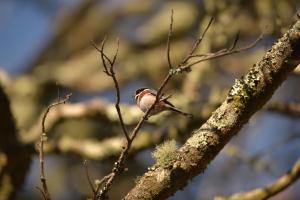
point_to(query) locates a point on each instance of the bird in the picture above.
(145, 98)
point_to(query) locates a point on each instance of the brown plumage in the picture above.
(146, 97)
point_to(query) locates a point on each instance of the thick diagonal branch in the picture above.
(246, 96)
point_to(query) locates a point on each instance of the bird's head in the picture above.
(139, 91)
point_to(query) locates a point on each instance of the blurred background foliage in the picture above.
(46, 45)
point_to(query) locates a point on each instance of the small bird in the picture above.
(145, 98)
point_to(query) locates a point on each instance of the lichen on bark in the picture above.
(247, 95)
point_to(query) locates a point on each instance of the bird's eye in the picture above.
(139, 91)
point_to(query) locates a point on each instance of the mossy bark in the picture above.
(246, 96)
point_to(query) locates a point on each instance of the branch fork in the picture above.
(184, 66)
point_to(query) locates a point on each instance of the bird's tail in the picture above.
(180, 112)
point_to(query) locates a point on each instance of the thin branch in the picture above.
(110, 72)
(219, 54)
(99, 183)
(103, 55)
(96, 108)
(237, 37)
(86, 170)
(194, 156)
(198, 42)
(63, 101)
(169, 40)
(41, 147)
(119, 165)
(270, 190)
(116, 54)
(42, 192)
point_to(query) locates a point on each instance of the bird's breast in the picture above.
(146, 102)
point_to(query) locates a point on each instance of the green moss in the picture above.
(165, 153)
(244, 88)
(197, 140)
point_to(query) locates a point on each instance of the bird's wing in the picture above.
(152, 91)
(165, 99)
(168, 102)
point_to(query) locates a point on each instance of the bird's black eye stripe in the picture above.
(139, 90)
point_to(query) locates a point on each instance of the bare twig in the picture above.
(100, 182)
(96, 108)
(88, 176)
(119, 165)
(103, 56)
(198, 42)
(110, 72)
(194, 156)
(63, 101)
(118, 168)
(43, 137)
(42, 192)
(115, 56)
(218, 54)
(235, 41)
(169, 40)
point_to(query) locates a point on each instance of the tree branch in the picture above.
(169, 40)
(270, 190)
(96, 108)
(109, 70)
(43, 138)
(221, 53)
(119, 165)
(86, 170)
(246, 96)
(198, 42)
